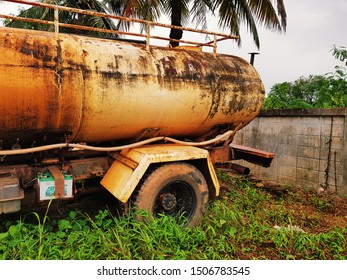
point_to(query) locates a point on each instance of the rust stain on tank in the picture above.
(216, 95)
(41, 52)
(169, 67)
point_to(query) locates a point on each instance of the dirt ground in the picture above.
(313, 211)
(320, 213)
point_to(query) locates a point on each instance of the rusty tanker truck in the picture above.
(148, 123)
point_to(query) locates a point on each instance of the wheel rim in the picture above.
(176, 199)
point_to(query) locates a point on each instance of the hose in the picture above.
(220, 137)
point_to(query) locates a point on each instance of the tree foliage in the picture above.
(232, 14)
(340, 53)
(315, 91)
(64, 16)
(271, 14)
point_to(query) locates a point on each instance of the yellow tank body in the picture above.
(96, 90)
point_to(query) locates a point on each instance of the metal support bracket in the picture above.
(58, 181)
(125, 160)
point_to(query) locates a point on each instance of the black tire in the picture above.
(175, 189)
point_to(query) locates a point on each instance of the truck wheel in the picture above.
(175, 189)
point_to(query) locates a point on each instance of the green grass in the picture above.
(238, 225)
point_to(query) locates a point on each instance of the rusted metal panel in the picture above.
(87, 168)
(252, 151)
(253, 155)
(220, 154)
(95, 90)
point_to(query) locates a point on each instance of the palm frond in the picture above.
(282, 14)
(150, 10)
(232, 14)
(265, 14)
(64, 16)
(126, 8)
(168, 7)
(101, 23)
(35, 13)
(199, 9)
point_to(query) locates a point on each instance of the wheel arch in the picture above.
(203, 166)
(122, 180)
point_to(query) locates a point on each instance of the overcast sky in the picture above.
(313, 27)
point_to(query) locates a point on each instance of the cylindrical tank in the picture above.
(96, 90)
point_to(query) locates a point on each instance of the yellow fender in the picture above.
(126, 172)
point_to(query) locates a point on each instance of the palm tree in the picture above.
(231, 13)
(179, 10)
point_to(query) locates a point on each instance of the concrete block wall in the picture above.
(310, 146)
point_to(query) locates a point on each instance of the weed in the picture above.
(238, 225)
(323, 203)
